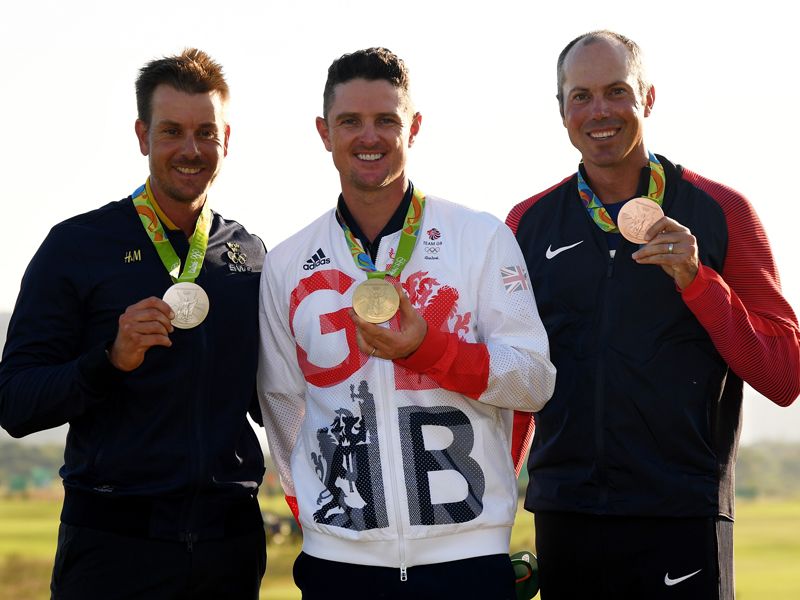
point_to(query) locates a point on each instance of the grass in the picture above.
(767, 548)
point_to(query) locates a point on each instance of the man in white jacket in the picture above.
(401, 356)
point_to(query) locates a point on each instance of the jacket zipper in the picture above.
(196, 462)
(387, 418)
(599, 438)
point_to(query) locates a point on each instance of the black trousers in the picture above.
(617, 558)
(482, 578)
(92, 564)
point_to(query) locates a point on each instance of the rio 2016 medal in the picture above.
(375, 300)
(636, 217)
(189, 302)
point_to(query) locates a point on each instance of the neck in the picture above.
(611, 186)
(182, 214)
(372, 209)
(618, 182)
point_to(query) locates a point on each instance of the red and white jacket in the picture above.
(406, 462)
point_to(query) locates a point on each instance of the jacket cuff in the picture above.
(700, 284)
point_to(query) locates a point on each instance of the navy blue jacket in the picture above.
(646, 413)
(176, 426)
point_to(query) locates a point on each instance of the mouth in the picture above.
(369, 157)
(603, 134)
(188, 170)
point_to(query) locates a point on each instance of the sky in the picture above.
(483, 77)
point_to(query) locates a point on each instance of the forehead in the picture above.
(599, 63)
(170, 104)
(367, 97)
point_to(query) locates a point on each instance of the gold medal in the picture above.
(189, 302)
(636, 217)
(375, 300)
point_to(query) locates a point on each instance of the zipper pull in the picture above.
(403, 572)
(189, 538)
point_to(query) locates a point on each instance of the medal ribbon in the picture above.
(598, 212)
(408, 237)
(198, 242)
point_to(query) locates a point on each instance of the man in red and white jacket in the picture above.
(631, 469)
(394, 440)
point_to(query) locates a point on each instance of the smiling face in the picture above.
(368, 130)
(186, 140)
(602, 108)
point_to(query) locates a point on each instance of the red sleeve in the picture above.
(521, 437)
(452, 363)
(292, 502)
(752, 326)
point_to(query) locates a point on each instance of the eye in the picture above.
(171, 131)
(208, 134)
(580, 98)
(348, 122)
(388, 121)
(618, 91)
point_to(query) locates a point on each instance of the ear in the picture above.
(324, 132)
(141, 133)
(649, 100)
(227, 137)
(416, 123)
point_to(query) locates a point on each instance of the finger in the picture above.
(156, 339)
(152, 302)
(137, 317)
(363, 345)
(152, 327)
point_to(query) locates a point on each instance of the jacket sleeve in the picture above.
(509, 366)
(280, 383)
(45, 378)
(743, 310)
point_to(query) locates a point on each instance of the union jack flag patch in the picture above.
(514, 278)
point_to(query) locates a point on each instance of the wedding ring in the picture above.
(374, 349)
(670, 247)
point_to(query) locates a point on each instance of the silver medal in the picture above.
(189, 302)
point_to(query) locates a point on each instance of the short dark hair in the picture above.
(635, 60)
(192, 71)
(371, 64)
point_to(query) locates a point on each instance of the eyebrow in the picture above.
(171, 123)
(610, 85)
(346, 115)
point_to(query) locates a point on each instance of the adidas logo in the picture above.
(317, 259)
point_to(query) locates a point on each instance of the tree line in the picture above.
(765, 469)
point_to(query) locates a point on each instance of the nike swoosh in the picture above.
(550, 253)
(671, 582)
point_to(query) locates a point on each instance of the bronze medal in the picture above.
(189, 302)
(636, 217)
(375, 300)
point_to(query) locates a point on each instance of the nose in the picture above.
(369, 134)
(189, 146)
(599, 107)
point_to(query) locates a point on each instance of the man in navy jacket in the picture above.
(137, 324)
(631, 469)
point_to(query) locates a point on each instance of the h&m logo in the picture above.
(132, 256)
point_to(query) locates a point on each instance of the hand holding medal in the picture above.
(388, 344)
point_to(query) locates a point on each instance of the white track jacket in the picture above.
(408, 462)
